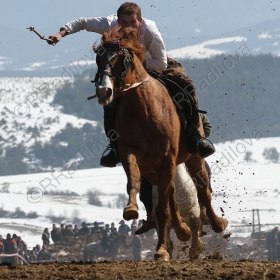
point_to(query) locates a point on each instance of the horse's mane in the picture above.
(127, 38)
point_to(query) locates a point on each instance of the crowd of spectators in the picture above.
(273, 245)
(17, 248)
(15, 245)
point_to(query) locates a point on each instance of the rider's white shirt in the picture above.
(149, 36)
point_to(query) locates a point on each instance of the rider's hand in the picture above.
(57, 37)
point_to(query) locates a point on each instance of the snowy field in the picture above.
(237, 186)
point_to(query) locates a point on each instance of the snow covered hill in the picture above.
(25, 103)
(29, 117)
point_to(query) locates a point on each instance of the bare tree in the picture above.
(271, 154)
(93, 198)
(248, 156)
(121, 201)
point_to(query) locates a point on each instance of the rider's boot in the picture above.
(196, 143)
(147, 224)
(111, 159)
(199, 145)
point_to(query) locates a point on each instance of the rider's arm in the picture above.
(155, 46)
(97, 24)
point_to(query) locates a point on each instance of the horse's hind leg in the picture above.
(197, 170)
(182, 231)
(130, 166)
(195, 225)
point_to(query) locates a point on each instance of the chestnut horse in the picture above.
(151, 141)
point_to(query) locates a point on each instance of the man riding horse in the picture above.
(129, 15)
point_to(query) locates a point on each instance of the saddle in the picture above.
(184, 110)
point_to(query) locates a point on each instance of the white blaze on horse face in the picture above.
(105, 89)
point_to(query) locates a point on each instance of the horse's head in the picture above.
(115, 60)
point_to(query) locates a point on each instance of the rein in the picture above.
(135, 84)
(126, 89)
(112, 52)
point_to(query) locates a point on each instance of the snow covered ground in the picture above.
(237, 186)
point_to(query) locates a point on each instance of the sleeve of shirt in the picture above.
(97, 24)
(155, 46)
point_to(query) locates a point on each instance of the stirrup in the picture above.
(111, 159)
(110, 148)
(200, 145)
(209, 148)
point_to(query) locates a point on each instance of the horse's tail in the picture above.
(183, 232)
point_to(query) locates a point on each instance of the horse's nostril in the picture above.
(109, 92)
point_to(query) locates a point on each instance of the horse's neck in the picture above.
(135, 98)
(138, 74)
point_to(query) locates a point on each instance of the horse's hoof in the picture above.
(130, 213)
(221, 226)
(183, 232)
(162, 255)
(225, 222)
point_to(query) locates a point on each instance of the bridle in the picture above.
(113, 50)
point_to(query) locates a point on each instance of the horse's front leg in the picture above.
(161, 214)
(170, 246)
(131, 168)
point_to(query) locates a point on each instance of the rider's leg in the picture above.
(147, 200)
(196, 142)
(110, 112)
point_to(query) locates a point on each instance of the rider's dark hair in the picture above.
(128, 9)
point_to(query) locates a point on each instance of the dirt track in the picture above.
(203, 269)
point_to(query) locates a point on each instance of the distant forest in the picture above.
(240, 92)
